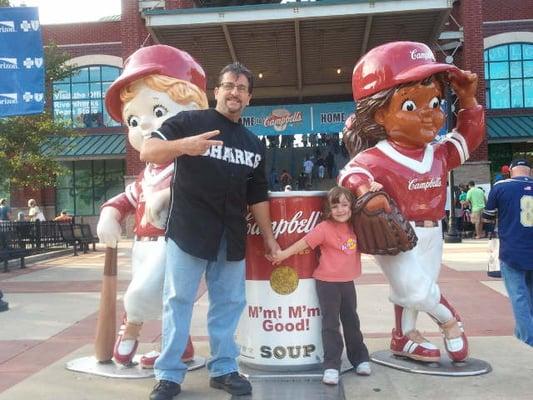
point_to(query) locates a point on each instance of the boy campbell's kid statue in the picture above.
(398, 88)
(157, 82)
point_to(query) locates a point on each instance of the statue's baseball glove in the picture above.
(381, 232)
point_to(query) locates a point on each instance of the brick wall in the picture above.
(87, 32)
(174, 4)
(490, 29)
(134, 34)
(497, 10)
(472, 55)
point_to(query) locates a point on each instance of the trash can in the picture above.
(280, 329)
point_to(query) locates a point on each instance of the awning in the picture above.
(86, 147)
(304, 50)
(512, 128)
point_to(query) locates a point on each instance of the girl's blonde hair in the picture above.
(181, 92)
(334, 197)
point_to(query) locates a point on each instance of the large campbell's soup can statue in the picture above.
(281, 326)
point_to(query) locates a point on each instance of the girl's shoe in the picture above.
(363, 369)
(331, 377)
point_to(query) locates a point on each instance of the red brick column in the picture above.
(133, 34)
(471, 14)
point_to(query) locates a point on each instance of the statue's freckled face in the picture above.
(413, 116)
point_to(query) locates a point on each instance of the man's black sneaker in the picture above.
(4, 305)
(165, 390)
(233, 383)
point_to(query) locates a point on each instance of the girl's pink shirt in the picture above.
(340, 259)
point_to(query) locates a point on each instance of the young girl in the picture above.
(339, 265)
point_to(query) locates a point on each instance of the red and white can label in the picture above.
(280, 328)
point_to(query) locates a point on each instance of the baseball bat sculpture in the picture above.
(107, 314)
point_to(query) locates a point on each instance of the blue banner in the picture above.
(21, 62)
(294, 119)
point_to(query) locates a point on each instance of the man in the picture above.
(63, 217)
(4, 305)
(215, 180)
(476, 197)
(503, 174)
(511, 200)
(5, 211)
(308, 170)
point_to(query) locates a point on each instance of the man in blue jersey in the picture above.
(511, 200)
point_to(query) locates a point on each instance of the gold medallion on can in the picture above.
(284, 280)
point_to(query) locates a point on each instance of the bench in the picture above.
(88, 235)
(82, 240)
(12, 248)
(67, 235)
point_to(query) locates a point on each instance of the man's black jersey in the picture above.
(210, 193)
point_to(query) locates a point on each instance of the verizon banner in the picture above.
(21, 62)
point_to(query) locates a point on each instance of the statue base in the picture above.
(445, 367)
(110, 369)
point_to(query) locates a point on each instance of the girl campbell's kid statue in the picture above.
(157, 82)
(398, 88)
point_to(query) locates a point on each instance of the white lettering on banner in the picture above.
(8, 98)
(8, 63)
(26, 26)
(280, 118)
(234, 156)
(31, 62)
(434, 182)
(421, 55)
(7, 26)
(296, 224)
(332, 118)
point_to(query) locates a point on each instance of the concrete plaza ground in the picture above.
(53, 309)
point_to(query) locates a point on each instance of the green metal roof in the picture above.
(510, 128)
(86, 146)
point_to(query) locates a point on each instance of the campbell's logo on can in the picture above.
(297, 224)
(293, 215)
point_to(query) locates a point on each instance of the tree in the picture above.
(22, 162)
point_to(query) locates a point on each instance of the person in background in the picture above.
(308, 170)
(330, 165)
(4, 305)
(476, 198)
(5, 211)
(63, 217)
(34, 212)
(273, 182)
(511, 201)
(503, 174)
(285, 178)
(339, 265)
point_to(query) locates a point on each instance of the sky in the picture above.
(64, 11)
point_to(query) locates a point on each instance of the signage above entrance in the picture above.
(294, 119)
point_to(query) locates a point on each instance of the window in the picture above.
(509, 75)
(79, 99)
(88, 184)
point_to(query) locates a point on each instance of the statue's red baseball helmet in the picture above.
(158, 59)
(391, 64)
